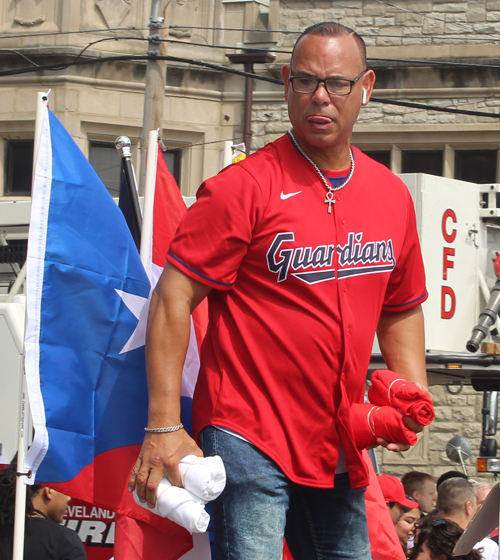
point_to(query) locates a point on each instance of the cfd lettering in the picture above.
(448, 299)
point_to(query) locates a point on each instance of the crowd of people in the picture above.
(429, 516)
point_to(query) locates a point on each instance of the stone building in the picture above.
(431, 53)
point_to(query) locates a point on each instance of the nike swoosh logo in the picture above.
(284, 196)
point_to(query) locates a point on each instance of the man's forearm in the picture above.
(167, 341)
(402, 342)
(166, 346)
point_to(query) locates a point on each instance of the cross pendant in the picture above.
(329, 201)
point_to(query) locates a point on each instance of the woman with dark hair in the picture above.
(436, 538)
(45, 538)
(405, 527)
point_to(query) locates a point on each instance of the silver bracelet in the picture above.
(164, 430)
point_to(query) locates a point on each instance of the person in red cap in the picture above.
(395, 497)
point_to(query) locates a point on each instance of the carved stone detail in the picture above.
(25, 10)
(416, 455)
(113, 11)
(180, 33)
(185, 12)
(22, 21)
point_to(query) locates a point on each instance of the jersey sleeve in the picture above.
(214, 235)
(406, 288)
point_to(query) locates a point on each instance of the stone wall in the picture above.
(393, 114)
(456, 415)
(270, 120)
(413, 22)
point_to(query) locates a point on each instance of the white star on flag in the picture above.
(139, 306)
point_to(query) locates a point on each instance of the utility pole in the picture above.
(156, 78)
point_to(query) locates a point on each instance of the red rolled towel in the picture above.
(370, 422)
(389, 388)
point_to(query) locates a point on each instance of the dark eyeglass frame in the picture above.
(324, 82)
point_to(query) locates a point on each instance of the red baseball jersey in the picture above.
(297, 297)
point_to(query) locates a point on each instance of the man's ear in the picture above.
(368, 82)
(285, 76)
(468, 509)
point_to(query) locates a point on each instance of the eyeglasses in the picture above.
(334, 86)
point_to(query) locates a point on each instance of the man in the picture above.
(449, 474)
(300, 271)
(482, 490)
(421, 487)
(394, 495)
(457, 501)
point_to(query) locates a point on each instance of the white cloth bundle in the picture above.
(203, 479)
(179, 506)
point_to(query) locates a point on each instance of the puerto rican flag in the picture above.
(87, 296)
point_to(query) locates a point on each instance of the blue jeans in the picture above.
(260, 505)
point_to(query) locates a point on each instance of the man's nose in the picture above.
(321, 94)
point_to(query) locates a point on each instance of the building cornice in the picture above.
(52, 81)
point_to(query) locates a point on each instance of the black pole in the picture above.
(122, 144)
(247, 119)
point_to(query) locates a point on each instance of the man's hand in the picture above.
(409, 422)
(393, 446)
(160, 456)
(426, 390)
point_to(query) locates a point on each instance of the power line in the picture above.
(210, 65)
(494, 36)
(20, 54)
(75, 62)
(175, 41)
(436, 63)
(84, 32)
(405, 61)
(434, 108)
(466, 36)
(125, 58)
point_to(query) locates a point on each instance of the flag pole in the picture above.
(122, 144)
(20, 503)
(149, 197)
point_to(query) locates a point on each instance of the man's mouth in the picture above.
(319, 119)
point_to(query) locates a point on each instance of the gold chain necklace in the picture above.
(330, 188)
